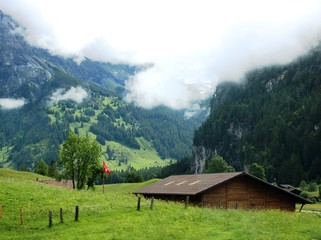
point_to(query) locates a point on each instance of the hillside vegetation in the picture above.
(129, 136)
(271, 118)
(113, 215)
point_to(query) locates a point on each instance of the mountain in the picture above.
(43, 97)
(25, 69)
(272, 118)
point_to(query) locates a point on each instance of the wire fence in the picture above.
(49, 215)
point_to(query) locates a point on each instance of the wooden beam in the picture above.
(302, 206)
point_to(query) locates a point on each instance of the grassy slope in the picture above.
(113, 215)
(4, 155)
(9, 173)
(124, 187)
(144, 157)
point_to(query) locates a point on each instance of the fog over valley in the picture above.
(188, 46)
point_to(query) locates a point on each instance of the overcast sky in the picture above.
(191, 46)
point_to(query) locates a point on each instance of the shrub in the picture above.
(312, 187)
(304, 194)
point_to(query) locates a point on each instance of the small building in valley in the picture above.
(223, 190)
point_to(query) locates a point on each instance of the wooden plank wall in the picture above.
(216, 197)
(245, 193)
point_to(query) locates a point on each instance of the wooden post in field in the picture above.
(21, 216)
(1, 211)
(50, 219)
(77, 214)
(152, 203)
(103, 184)
(61, 216)
(186, 201)
(138, 204)
(301, 207)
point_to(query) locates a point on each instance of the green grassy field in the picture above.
(113, 215)
(9, 173)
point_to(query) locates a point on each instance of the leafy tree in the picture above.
(312, 187)
(303, 185)
(23, 168)
(257, 171)
(52, 170)
(304, 194)
(79, 158)
(218, 165)
(41, 168)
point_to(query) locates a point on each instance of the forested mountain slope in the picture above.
(58, 95)
(272, 118)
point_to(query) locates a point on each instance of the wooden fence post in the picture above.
(77, 214)
(152, 203)
(1, 211)
(61, 216)
(21, 216)
(138, 204)
(186, 201)
(50, 219)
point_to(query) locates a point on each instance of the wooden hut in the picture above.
(223, 190)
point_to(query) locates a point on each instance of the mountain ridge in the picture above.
(272, 118)
(34, 131)
(21, 63)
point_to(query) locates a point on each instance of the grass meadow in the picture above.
(113, 215)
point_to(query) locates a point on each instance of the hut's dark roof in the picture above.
(186, 184)
(198, 183)
(288, 187)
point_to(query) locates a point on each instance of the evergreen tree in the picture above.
(52, 170)
(218, 165)
(257, 171)
(41, 168)
(132, 177)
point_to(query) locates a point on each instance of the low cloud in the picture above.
(192, 45)
(194, 110)
(11, 103)
(76, 94)
(162, 85)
